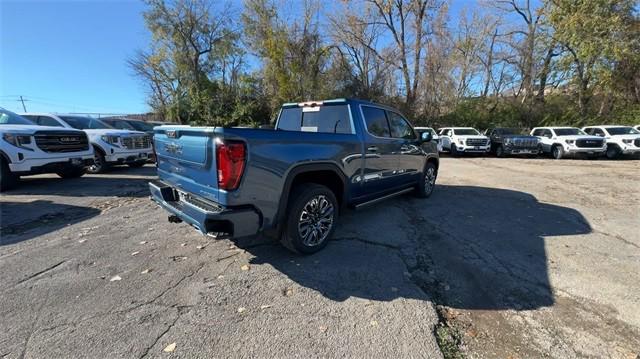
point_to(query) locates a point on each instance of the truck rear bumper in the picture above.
(207, 217)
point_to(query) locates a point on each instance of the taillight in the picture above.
(230, 158)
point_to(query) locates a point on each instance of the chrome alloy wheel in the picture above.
(316, 220)
(429, 180)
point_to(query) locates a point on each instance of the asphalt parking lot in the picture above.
(509, 258)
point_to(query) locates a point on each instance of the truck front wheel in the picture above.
(7, 179)
(313, 212)
(99, 163)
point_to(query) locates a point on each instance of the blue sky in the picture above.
(70, 56)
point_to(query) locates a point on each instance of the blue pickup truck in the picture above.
(292, 181)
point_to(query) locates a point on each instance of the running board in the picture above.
(380, 199)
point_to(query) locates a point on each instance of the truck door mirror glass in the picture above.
(426, 136)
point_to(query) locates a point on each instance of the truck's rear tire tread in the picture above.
(300, 195)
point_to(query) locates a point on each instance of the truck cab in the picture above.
(292, 181)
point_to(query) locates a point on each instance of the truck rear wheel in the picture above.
(427, 181)
(313, 212)
(7, 179)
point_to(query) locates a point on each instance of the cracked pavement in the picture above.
(522, 257)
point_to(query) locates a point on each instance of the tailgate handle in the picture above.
(372, 149)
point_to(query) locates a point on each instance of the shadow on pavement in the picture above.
(466, 247)
(104, 184)
(53, 216)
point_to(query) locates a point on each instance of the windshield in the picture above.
(622, 131)
(84, 123)
(10, 118)
(568, 131)
(141, 126)
(465, 132)
(510, 131)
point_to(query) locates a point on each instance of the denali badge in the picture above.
(171, 133)
(174, 148)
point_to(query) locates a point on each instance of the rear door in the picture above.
(380, 170)
(186, 159)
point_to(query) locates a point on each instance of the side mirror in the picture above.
(426, 136)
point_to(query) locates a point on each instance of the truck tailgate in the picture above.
(186, 159)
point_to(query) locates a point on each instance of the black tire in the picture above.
(99, 165)
(137, 164)
(500, 151)
(300, 202)
(8, 180)
(427, 181)
(612, 152)
(557, 152)
(72, 172)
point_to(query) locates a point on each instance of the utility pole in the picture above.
(23, 107)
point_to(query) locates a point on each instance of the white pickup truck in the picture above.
(563, 141)
(458, 140)
(621, 140)
(112, 146)
(27, 149)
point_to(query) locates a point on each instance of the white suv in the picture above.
(620, 139)
(463, 140)
(27, 149)
(563, 141)
(112, 146)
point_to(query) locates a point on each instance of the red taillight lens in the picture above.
(230, 157)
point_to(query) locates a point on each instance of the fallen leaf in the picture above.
(374, 323)
(183, 245)
(323, 328)
(288, 292)
(169, 348)
(220, 276)
(143, 242)
(135, 253)
(265, 306)
(145, 271)
(199, 247)
(242, 309)
(115, 278)
(245, 267)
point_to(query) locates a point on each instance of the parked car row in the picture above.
(558, 142)
(68, 145)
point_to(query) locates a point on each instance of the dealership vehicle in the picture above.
(509, 141)
(457, 140)
(637, 128)
(27, 149)
(112, 146)
(129, 124)
(621, 140)
(434, 135)
(566, 141)
(291, 182)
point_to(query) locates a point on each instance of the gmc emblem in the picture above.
(69, 139)
(171, 133)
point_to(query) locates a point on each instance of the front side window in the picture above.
(400, 128)
(121, 125)
(376, 121)
(48, 121)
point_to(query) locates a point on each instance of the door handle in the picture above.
(372, 149)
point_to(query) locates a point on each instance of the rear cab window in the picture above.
(376, 121)
(323, 118)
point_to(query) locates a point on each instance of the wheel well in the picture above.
(99, 149)
(435, 162)
(323, 177)
(5, 157)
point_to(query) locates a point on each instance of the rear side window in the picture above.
(400, 128)
(326, 118)
(376, 121)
